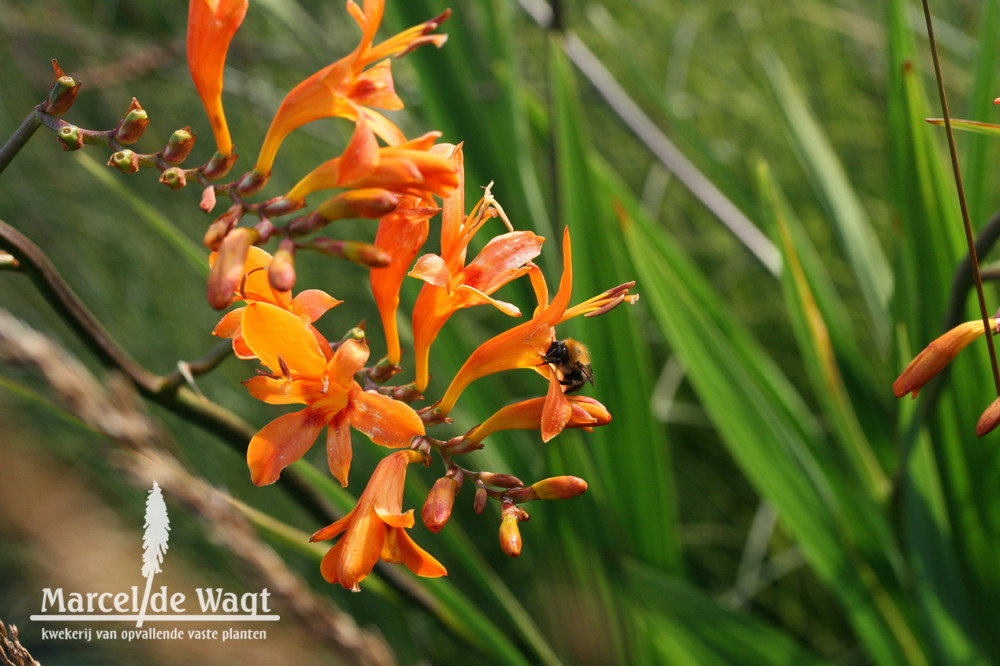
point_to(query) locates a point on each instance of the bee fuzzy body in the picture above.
(571, 361)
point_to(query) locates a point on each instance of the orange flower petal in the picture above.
(556, 412)
(312, 304)
(349, 358)
(229, 324)
(338, 448)
(359, 548)
(280, 443)
(273, 333)
(386, 421)
(502, 260)
(416, 558)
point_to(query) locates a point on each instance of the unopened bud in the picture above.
(281, 206)
(178, 146)
(218, 230)
(385, 370)
(132, 126)
(559, 487)
(227, 272)
(173, 178)
(218, 166)
(370, 204)
(281, 273)
(207, 202)
(70, 137)
(357, 252)
(458, 445)
(125, 161)
(439, 503)
(500, 480)
(252, 182)
(990, 418)
(63, 93)
(479, 502)
(510, 533)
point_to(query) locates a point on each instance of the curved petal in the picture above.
(416, 558)
(358, 550)
(280, 443)
(471, 296)
(338, 448)
(502, 260)
(349, 358)
(312, 304)
(556, 412)
(229, 324)
(432, 269)
(335, 528)
(272, 333)
(279, 391)
(386, 421)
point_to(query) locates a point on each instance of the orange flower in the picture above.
(401, 234)
(450, 285)
(211, 26)
(585, 413)
(301, 373)
(411, 168)
(376, 528)
(521, 346)
(936, 356)
(525, 345)
(308, 306)
(343, 88)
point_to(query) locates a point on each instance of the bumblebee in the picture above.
(571, 361)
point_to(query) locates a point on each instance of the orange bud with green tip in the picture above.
(178, 146)
(63, 93)
(132, 125)
(173, 178)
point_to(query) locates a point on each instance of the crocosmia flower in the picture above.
(211, 26)
(376, 529)
(309, 305)
(301, 373)
(347, 88)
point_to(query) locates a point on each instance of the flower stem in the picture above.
(18, 139)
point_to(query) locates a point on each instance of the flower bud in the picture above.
(174, 178)
(936, 356)
(500, 480)
(70, 137)
(510, 533)
(369, 203)
(178, 146)
(131, 127)
(559, 487)
(989, 419)
(479, 502)
(125, 161)
(252, 182)
(217, 231)
(357, 252)
(8, 262)
(229, 266)
(281, 206)
(458, 445)
(385, 370)
(439, 503)
(207, 202)
(63, 93)
(281, 273)
(218, 166)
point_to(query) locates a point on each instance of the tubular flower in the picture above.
(410, 168)
(521, 346)
(308, 306)
(302, 374)
(211, 26)
(343, 88)
(585, 413)
(450, 285)
(376, 529)
(936, 356)
(401, 233)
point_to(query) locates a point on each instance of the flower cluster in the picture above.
(403, 183)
